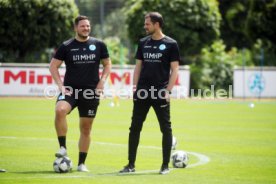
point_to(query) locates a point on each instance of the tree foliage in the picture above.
(114, 26)
(246, 21)
(95, 8)
(32, 25)
(118, 53)
(249, 23)
(193, 23)
(215, 66)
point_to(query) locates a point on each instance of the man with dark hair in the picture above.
(155, 17)
(81, 86)
(155, 73)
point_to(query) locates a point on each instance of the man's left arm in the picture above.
(174, 73)
(105, 73)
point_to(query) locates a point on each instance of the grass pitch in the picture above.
(227, 142)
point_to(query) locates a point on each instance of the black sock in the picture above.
(82, 157)
(62, 141)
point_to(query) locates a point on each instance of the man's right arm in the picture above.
(54, 66)
(137, 72)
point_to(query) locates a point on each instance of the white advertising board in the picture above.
(255, 82)
(37, 81)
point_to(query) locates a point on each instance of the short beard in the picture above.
(83, 37)
(149, 33)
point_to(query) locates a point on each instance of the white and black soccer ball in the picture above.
(174, 143)
(180, 159)
(63, 165)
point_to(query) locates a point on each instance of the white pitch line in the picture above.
(203, 159)
(8, 137)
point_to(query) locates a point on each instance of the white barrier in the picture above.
(257, 82)
(35, 80)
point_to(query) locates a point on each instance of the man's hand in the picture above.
(66, 90)
(167, 95)
(134, 88)
(100, 87)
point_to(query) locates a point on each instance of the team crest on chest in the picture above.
(162, 47)
(92, 47)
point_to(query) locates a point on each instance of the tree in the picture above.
(215, 66)
(114, 26)
(234, 15)
(262, 30)
(118, 53)
(117, 43)
(193, 23)
(262, 20)
(247, 23)
(98, 12)
(32, 25)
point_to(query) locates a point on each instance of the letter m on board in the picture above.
(8, 75)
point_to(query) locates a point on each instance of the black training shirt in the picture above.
(156, 56)
(82, 60)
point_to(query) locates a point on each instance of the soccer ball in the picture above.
(62, 165)
(179, 159)
(174, 143)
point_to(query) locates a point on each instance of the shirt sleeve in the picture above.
(60, 53)
(175, 55)
(139, 54)
(104, 51)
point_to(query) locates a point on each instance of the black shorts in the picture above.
(87, 104)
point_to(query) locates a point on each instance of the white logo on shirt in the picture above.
(152, 55)
(84, 57)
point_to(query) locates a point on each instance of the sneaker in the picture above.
(127, 169)
(82, 168)
(164, 169)
(61, 152)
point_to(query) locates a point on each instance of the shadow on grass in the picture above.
(138, 174)
(49, 172)
(127, 174)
